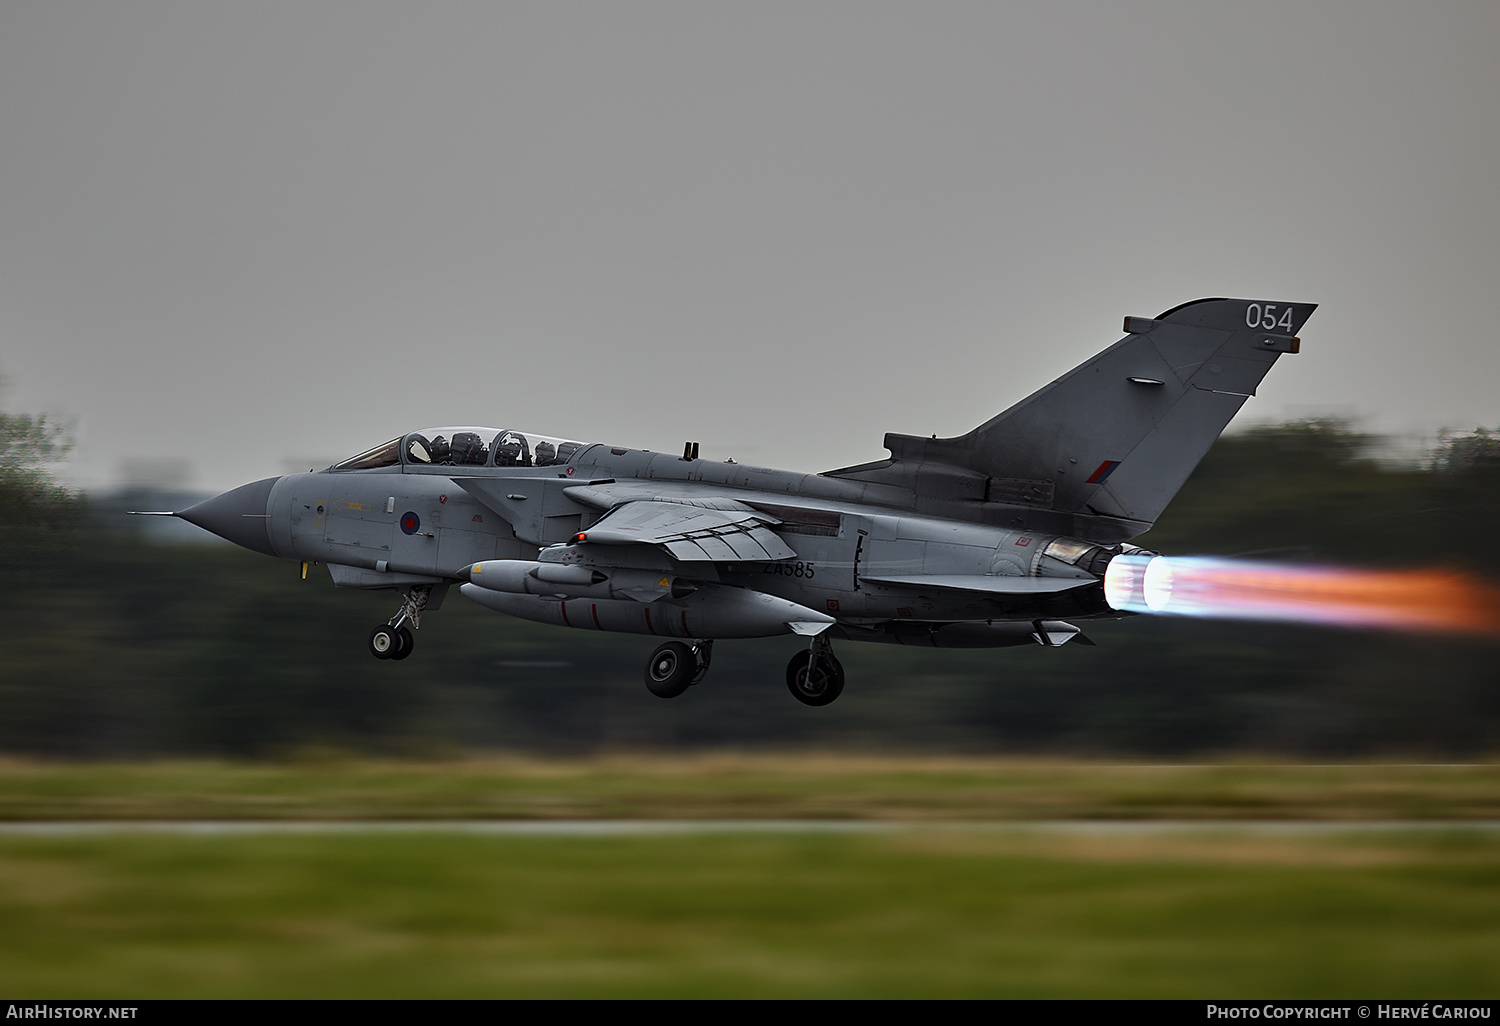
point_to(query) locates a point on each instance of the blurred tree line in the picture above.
(118, 646)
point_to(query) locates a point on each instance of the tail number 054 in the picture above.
(1265, 317)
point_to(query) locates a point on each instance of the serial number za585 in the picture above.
(788, 569)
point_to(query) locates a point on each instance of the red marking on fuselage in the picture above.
(564, 607)
(594, 609)
(647, 611)
(685, 631)
(1105, 469)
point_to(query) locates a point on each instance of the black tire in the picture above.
(407, 643)
(820, 687)
(670, 670)
(384, 642)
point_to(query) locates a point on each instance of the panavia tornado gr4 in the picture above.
(1002, 536)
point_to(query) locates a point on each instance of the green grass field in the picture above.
(743, 787)
(933, 913)
(921, 909)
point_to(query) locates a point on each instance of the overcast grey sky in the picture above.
(242, 235)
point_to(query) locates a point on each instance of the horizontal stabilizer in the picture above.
(993, 584)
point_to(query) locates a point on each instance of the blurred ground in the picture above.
(927, 913)
(745, 787)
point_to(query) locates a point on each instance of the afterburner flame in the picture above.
(1413, 600)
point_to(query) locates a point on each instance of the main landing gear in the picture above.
(675, 667)
(815, 677)
(393, 640)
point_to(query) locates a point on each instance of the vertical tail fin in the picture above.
(1117, 436)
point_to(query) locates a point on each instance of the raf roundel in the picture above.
(410, 522)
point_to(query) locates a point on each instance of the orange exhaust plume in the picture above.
(1415, 600)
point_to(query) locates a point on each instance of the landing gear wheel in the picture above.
(407, 642)
(671, 670)
(814, 683)
(385, 642)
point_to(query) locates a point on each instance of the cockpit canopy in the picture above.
(466, 447)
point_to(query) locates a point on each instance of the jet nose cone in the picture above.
(239, 515)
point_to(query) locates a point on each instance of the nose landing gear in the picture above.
(393, 640)
(387, 642)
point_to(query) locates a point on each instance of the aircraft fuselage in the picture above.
(398, 526)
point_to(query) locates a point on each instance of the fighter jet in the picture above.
(1002, 536)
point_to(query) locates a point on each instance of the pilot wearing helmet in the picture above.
(468, 449)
